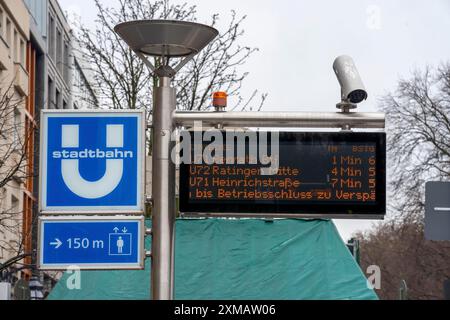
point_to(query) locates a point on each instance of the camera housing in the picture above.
(352, 87)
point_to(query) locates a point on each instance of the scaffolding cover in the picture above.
(248, 259)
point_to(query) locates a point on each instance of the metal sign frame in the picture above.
(95, 210)
(89, 266)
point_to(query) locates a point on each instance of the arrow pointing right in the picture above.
(57, 243)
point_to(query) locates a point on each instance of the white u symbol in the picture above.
(70, 168)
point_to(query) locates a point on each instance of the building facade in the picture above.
(63, 78)
(37, 56)
(16, 125)
(83, 94)
(50, 38)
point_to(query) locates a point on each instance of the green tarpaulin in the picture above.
(241, 259)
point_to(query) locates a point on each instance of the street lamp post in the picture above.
(165, 39)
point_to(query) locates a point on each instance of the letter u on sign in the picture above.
(70, 167)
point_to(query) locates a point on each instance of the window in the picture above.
(66, 63)
(50, 94)
(59, 48)
(8, 32)
(2, 201)
(1, 22)
(15, 46)
(22, 52)
(58, 95)
(17, 124)
(51, 37)
(14, 204)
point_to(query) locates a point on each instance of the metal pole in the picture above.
(163, 189)
(282, 119)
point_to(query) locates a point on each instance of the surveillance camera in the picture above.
(352, 87)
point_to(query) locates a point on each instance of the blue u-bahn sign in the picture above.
(91, 243)
(92, 161)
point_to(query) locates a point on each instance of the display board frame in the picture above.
(320, 210)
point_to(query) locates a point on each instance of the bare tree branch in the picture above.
(123, 82)
(419, 151)
(15, 136)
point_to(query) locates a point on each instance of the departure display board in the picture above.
(335, 174)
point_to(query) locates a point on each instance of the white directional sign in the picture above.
(92, 162)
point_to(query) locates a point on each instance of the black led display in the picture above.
(319, 173)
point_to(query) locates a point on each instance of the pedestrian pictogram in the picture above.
(120, 242)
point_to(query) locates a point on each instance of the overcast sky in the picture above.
(299, 40)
